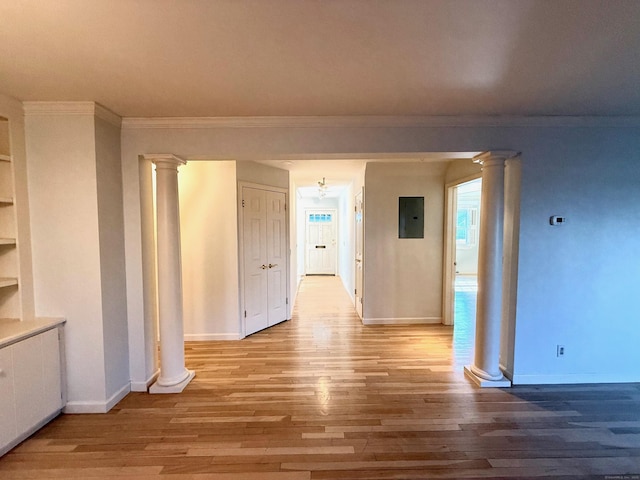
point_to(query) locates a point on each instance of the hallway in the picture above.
(324, 397)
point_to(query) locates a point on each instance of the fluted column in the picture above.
(174, 377)
(485, 370)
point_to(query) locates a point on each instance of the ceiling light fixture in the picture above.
(322, 188)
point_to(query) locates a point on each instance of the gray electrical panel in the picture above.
(411, 217)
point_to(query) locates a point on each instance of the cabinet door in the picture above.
(28, 381)
(52, 394)
(7, 398)
(37, 379)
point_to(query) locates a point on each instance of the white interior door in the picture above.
(254, 237)
(264, 237)
(276, 257)
(359, 227)
(320, 228)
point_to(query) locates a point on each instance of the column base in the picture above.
(177, 388)
(484, 383)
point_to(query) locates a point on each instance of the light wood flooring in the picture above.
(323, 397)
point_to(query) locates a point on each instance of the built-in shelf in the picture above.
(11, 293)
(8, 282)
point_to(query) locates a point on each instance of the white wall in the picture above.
(76, 206)
(112, 267)
(294, 278)
(347, 254)
(346, 240)
(403, 276)
(63, 196)
(208, 219)
(262, 174)
(572, 280)
(459, 171)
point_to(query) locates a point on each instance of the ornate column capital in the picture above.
(495, 156)
(165, 160)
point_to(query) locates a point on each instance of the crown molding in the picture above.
(59, 108)
(108, 116)
(71, 108)
(378, 122)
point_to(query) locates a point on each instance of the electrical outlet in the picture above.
(560, 351)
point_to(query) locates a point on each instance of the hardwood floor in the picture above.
(323, 397)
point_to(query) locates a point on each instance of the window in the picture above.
(467, 227)
(320, 218)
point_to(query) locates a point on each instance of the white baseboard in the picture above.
(119, 395)
(144, 386)
(575, 378)
(97, 407)
(403, 321)
(205, 337)
(506, 372)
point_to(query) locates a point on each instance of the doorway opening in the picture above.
(461, 261)
(467, 228)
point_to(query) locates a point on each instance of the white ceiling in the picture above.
(145, 58)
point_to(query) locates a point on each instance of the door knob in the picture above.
(263, 267)
(271, 265)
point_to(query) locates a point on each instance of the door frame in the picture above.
(240, 223)
(448, 267)
(333, 212)
(358, 297)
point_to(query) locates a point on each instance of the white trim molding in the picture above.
(97, 407)
(144, 386)
(574, 378)
(72, 108)
(378, 121)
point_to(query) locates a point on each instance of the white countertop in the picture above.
(12, 330)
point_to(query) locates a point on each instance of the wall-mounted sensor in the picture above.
(557, 220)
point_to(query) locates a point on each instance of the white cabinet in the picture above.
(30, 385)
(8, 429)
(36, 367)
(52, 396)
